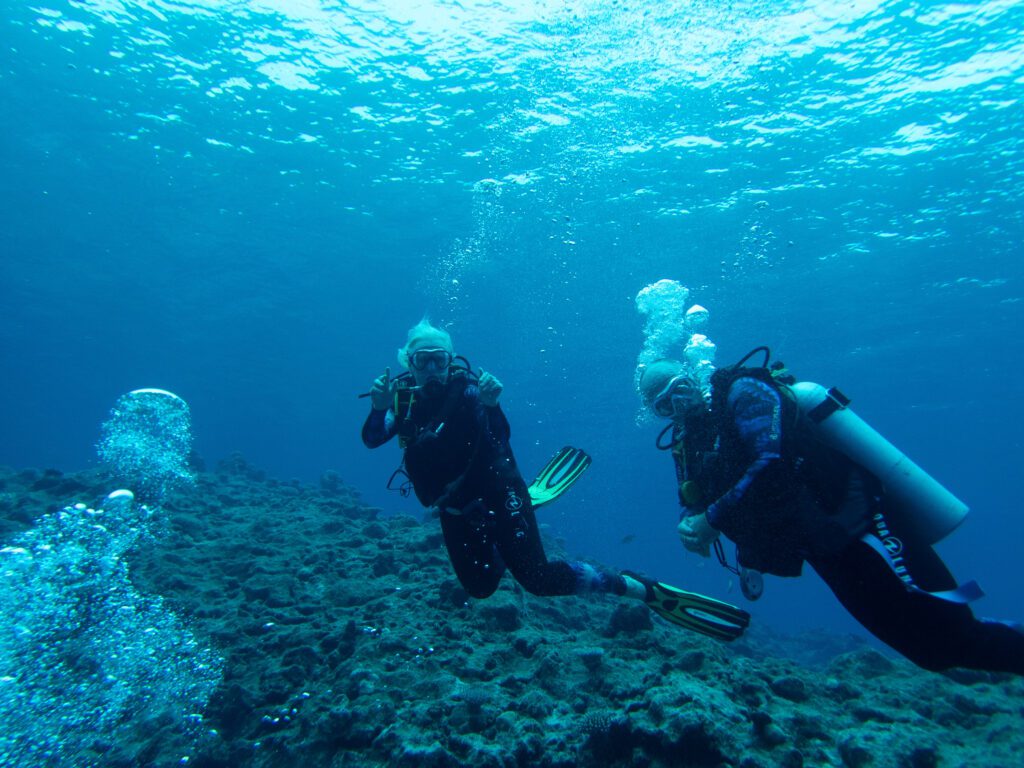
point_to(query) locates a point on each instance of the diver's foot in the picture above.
(638, 587)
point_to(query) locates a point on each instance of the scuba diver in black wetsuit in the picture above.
(458, 458)
(753, 463)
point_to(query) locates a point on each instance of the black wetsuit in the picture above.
(784, 501)
(459, 460)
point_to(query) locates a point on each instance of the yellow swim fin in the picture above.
(695, 612)
(558, 475)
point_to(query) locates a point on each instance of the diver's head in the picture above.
(670, 391)
(427, 354)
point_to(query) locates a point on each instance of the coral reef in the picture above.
(347, 641)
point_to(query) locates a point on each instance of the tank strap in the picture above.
(834, 401)
(965, 593)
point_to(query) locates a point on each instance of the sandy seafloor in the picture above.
(347, 641)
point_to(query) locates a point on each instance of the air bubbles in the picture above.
(697, 317)
(673, 331)
(146, 442)
(487, 187)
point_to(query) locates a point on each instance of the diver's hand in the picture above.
(490, 389)
(382, 393)
(697, 534)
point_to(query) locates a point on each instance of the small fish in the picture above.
(628, 538)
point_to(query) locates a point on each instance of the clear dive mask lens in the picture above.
(421, 359)
(664, 407)
(680, 392)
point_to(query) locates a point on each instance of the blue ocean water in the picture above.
(248, 203)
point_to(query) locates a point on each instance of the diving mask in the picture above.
(437, 358)
(680, 394)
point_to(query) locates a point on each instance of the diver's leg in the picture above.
(934, 634)
(472, 553)
(519, 543)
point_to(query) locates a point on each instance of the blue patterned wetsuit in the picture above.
(459, 460)
(784, 502)
(756, 411)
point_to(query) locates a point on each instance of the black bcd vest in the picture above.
(794, 504)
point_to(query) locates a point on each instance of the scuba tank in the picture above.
(922, 504)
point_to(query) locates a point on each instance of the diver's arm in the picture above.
(378, 428)
(492, 416)
(756, 410)
(497, 423)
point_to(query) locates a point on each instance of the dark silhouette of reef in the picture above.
(348, 642)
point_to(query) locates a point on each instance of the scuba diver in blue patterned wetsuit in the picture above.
(749, 466)
(460, 463)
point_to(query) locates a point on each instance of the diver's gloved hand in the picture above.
(697, 534)
(490, 389)
(382, 393)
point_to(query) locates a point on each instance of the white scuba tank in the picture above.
(922, 503)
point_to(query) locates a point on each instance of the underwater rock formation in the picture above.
(347, 641)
